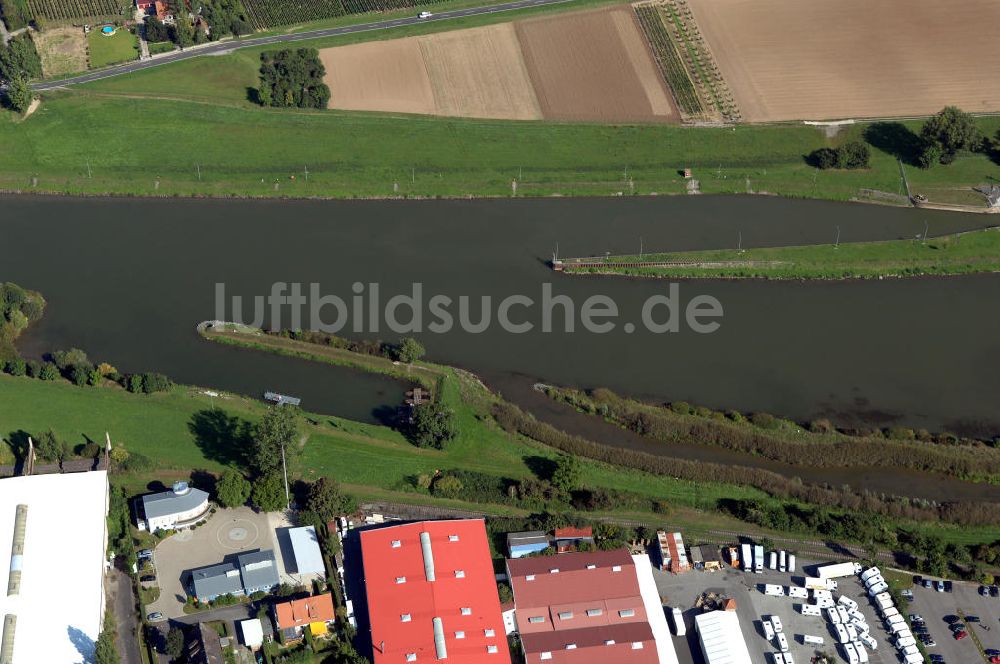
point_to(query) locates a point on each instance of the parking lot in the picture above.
(227, 533)
(963, 600)
(752, 606)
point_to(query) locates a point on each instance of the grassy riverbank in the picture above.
(965, 253)
(211, 140)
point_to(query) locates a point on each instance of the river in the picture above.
(127, 280)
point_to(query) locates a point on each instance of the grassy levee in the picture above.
(963, 253)
(244, 150)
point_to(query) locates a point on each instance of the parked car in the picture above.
(940, 586)
(915, 617)
(937, 658)
(951, 618)
(973, 619)
(145, 553)
(984, 591)
(928, 583)
(155, 616)
(149, 578)
(961, 634)
(908, 594)
(990, 652)
(947, 586)
(995, 591)
(424, 15)
(956, 626)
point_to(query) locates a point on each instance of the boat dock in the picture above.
(282, 399)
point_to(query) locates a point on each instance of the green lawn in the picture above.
(248, 151)
(964, 253)
(120, 47)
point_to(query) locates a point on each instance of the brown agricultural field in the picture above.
(479, 73)
(62, 50)
(837, 59)
(594, 65)
(379, 76)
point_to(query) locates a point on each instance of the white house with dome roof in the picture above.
(178, 508)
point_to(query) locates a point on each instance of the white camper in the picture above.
(773, 590)
(810, 610)
(677, 618)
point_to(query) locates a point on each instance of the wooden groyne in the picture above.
(562, 265)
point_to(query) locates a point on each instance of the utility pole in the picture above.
(926, 228)
(284, 469)
(198, 166)
(306, 169)
(739, 242)
(640, 246)
(836, 245)
(89, 174)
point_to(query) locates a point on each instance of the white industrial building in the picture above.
(654, 610)
(305, 547)
(53, 532)
(721, 638)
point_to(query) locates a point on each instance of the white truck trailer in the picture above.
(782, 561)
(791, 562)
(746, 557)
(837, 570)
(772, 560)
(812, 583)
(758, 558)
(677, 618)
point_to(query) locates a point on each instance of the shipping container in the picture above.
(837, 570)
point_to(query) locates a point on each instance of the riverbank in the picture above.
(963, 253)
(83, 142)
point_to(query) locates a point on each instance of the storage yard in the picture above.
(592, 65)
(790, 60)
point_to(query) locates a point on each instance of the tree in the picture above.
(277, 430)
(19, 59)
(409, 350)
(182, 32)
(853, 154)
(232, 489)
(823, 158)
(327, 500)
(65, 359)
(20, 94)
(952, 130)
(566, 476)
(175, 643)
(293, 78)
(156, 31)
(51, 448)
(105, 651)
(268, 494)
(433, 425)
(448, 486)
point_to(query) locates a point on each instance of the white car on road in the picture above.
(424, 15)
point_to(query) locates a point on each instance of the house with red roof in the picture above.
(589, 608)
(314, 612)
(431, 594)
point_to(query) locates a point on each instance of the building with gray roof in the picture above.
(215, 581)
(180, 507)
(259, 570)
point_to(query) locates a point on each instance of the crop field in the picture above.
(62, 50)
(824, 60)
(591, 65)
(65, 10)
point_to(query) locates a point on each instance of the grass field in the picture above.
(120, 47)
(62, 50)
(953, 254)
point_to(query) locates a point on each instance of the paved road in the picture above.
(122, 599)
(218, 48)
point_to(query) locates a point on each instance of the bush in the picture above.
(48, 371)
(433, 425)
(901, 433)
(681, 407)
(15, 367)
(447, 486)
(851, 155)
(409, 350)
(764, 420)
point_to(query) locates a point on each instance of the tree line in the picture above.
(19, 63)
(514, 420)
(818, 444)
(74, 366)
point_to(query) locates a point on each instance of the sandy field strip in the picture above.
(583, 66)
(834, 59)
(62, 50)
(479, 73)
(379, 76)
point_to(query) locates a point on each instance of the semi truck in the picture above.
(837, 570)
(758, 558)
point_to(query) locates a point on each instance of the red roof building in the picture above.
(581, 608)
(432, 594)
(302, 612)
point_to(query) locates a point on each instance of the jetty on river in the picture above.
(614, 262)
(282, 399)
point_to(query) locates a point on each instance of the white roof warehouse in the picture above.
(53, 535)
